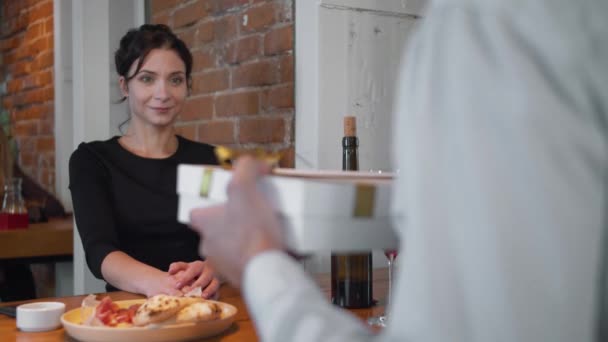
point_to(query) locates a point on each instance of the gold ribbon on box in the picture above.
(206, 183)
(226, 156)
(364, 200)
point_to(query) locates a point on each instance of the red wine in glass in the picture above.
(391, 253)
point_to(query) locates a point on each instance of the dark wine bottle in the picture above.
(351, 274)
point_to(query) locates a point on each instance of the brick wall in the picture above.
(26, 83)
(243, 89)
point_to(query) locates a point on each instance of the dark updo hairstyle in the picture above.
(137, 44)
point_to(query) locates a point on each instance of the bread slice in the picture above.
(160, 308)
(202, 311)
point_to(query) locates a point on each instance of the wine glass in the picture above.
(382, 321)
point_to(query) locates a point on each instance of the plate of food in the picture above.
(156, 319)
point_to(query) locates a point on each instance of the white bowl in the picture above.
(41, 316)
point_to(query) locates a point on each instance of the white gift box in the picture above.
(320, 210)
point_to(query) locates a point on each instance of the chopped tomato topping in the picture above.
(110, 314)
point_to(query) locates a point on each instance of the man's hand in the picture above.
(233, 233)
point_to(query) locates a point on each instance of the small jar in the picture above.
(13, 214)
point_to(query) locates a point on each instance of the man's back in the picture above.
(504, 118)
(502, 129)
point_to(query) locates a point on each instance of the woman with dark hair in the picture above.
(123, 189)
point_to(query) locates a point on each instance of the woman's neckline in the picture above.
(116, 139)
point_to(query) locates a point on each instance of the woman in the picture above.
(123, 189)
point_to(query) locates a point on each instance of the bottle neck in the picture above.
(350, 156)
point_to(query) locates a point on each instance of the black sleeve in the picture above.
(91, 199)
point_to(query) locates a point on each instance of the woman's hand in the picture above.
(194, 274)
(164, 284)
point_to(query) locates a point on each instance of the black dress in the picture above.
(123, 202)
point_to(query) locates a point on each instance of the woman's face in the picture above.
(156, 94)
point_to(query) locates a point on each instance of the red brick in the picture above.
(47, 127)
(49, 93)
(226, 28)
(255, 74)
(50, 42)
(202, 60)
(205, 33)
(30, 113)
(161, 19)
(33, 96)
(160, 5)
(33, 31)
(28, 82)
(14, 25)
(44, 144)
(44, 78)
(44, 60)
(243, 49)
(261, 130)
(26, 158)
(197, 108)
(286, 69)
(25, 129)
(187, 36)
(9, 43)
(17, 69)
(189, 14)
(278, 40)
(209, 82)
(278, 97)
(216, 132)
(18, 99)
(7, 101)
(14, 85)
(9, 57)
(226, 5)
(12, 8)
(244, 103)
(211, 6)
(186, 131)
(30, 3)
(48, 25)
(258, 18)
(41, 11)
(21, 23)
(23, 52)
(37, 46)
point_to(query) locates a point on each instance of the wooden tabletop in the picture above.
(242, 329)
(49, 240)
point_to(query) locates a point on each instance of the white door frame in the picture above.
(86, 32)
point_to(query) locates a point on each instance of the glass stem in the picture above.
(391, 259)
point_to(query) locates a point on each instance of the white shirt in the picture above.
(501, 136)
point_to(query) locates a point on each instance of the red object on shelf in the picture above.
(13, 221)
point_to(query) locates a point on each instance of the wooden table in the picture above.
(242, 329)
(41, 242)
